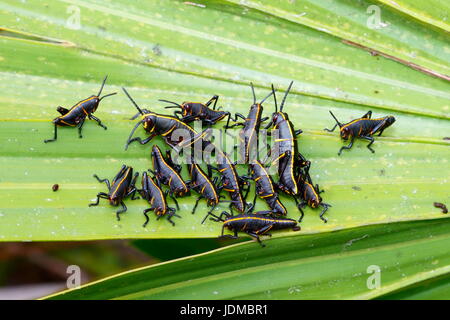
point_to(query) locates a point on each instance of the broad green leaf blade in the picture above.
(373, 25)
(327, 266)
(192, 40)
(437, 288)
(433, 12)
(399, 182)
(56, 54)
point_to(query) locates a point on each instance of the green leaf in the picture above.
(60, 66)
(382, 210)
(332, 265)
(375, 26)
(214, 42)
(433, 12)
(437, 288)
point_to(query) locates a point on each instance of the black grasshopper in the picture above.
(250, 130)
(75, 116)
(168, 174)
(255, 225)
(152, 192)
(231, 182)
(203, 185)
(265, 189)
(191, 111)
(284, 150)
(170, 128)
(364, 128)
(122, 186)
(309, 194)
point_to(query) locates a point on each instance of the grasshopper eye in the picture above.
(345, 133)
(148, 124)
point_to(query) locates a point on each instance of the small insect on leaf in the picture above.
(441, 206)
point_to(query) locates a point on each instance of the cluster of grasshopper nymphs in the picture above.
(212, 180)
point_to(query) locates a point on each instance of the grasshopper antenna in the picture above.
(337, 121)
(285, 96)
(211, 214)
(101, 88)
(275, 98)
(271, 93)
(131, 99)
(107, 95)
(253, 92)
(175, 105)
